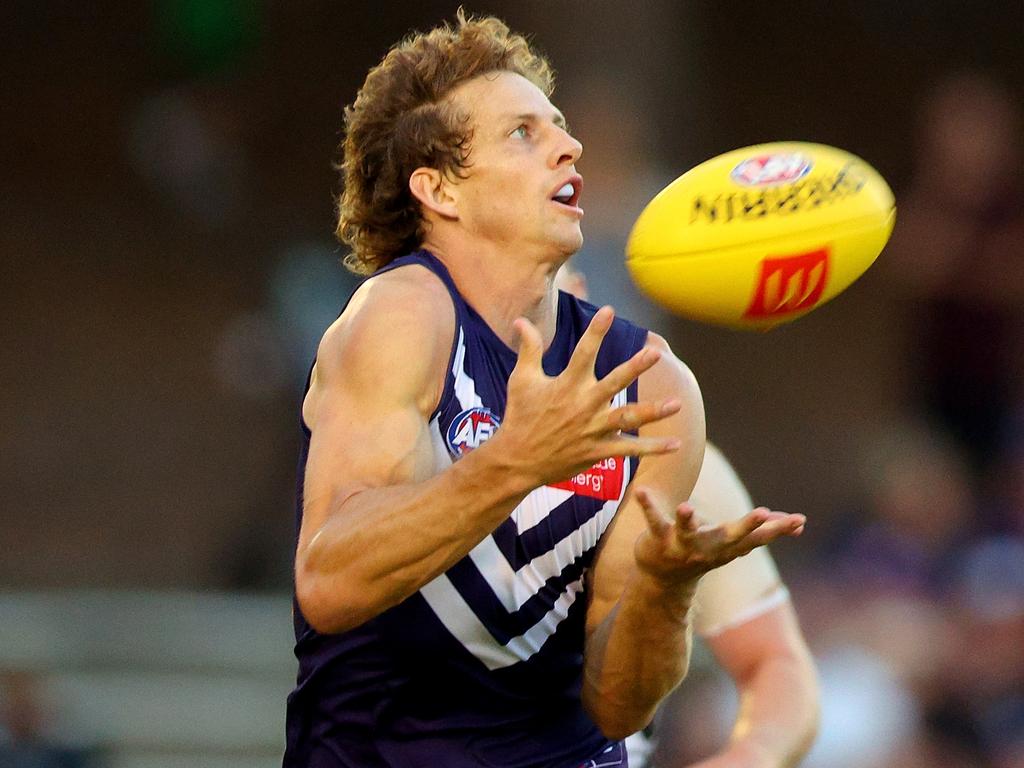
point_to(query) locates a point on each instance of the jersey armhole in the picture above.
(448, 391)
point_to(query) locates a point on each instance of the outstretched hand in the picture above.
(676, 548)
(556, 426)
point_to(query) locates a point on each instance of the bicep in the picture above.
(360, 441)
(378, 376)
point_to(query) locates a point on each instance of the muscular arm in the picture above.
(638, 627)
(645, 577)
(380, 519)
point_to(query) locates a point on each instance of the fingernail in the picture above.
(670, 407)
(673, 445)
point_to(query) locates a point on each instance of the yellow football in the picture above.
(761, 235)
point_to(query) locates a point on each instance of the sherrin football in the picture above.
(761, 235)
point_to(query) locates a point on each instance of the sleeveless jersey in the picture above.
(483, 665)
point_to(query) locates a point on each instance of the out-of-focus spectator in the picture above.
(25, 734)
(919, 508)
(957, 258)
(1004, 479)
(980, 692)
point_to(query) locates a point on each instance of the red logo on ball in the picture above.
(789, 284)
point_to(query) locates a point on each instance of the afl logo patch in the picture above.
(471, 429)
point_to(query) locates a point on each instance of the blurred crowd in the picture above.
(913, 598)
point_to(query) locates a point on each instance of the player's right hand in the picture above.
(555, 427)
(677, 548)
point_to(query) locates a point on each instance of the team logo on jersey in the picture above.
(602, 481)
(789, 284)
(770, 170)
(471, 429)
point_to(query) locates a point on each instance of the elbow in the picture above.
(327, 609)
(619, 728)
(616, 722)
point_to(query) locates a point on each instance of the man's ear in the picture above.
(432, 189)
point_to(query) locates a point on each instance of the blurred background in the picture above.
(166, 219)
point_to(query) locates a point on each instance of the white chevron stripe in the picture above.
(463, 623)
(538, 505)
(621, 398)
(514, 588)
(459, 619)
(529, 643)
(465, 387)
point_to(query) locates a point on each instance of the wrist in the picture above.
(671, 584)
(675, 596)
(501, 461)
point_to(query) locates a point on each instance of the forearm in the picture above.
(778, 716)
(378, 546)
(638, 654)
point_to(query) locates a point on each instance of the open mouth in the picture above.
(569, 192)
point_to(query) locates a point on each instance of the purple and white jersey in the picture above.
(483, 665)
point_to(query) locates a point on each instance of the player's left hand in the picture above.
(676, 548)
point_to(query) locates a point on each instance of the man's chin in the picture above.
(568, 245)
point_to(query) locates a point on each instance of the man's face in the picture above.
(520, 160)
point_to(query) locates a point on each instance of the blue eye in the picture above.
(521, 132)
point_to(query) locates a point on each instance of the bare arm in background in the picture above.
(748, 622)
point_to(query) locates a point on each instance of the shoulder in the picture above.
(406, 303)
(395, 335)
(669, 377)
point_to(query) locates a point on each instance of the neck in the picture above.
(502, 287)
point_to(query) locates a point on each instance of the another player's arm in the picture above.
(746, 619)
(378, 523)
(768, 660)
(645, 576)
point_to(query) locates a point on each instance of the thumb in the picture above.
(531, 345)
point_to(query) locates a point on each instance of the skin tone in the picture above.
(372, 480)
(768, 660)
(766, 657)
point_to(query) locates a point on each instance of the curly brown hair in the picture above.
(400, 121)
